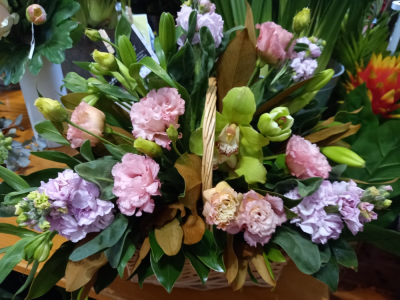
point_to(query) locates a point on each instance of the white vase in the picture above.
(48, 83)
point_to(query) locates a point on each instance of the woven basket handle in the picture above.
(209, 134)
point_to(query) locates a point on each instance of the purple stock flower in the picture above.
(366, 212)
(76, 209)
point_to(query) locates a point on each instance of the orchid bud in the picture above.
(148, 147)
(93, 34)
(276, 125)
(302, 20)
(51, 109)
(344, 156)
(36, 14)
(172, 133)
(42, 252)
(96, 70)
(106, 61)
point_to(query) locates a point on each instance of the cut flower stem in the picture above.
(88, 132)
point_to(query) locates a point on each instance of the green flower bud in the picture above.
(91, 99)
(319, 81)
(302, 20)
(96, 70)
(51, 109)
(42, 252)
(172, 133)
(386, 203)
(44, 225)
(106, 61)
(23, 217)
(187, 3)
(148, 147)
(276, 125)
(93, 34)
(18, 210)
(31, 247)
(377, 196)
(343, 155)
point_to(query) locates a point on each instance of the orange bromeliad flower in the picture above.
(383, 83)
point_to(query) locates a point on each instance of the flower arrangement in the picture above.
(29, 31)
(164, 173)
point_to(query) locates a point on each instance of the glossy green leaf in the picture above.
(267, 262)
(106, 239)
(126, 51)
(220, 237)
(71, 101)
(144, 270)
(155, 67)
(329, 274)
(17, 231)
(14, 197)
(273, 253)
(196, 142)
(128, 251)
(99, 172)
(86, 151)
(201, 269)
(123, 28)
(252, 170)
(29, 279)
(344, 253)
(47, 130)
(192, 26)
(156, 251)
(239, 106)
(299, 247)
(106, 276)
(75, 83)
(114, 253)
(13, 256)
(168, 269)
(206, 251)
(181, 66)
(115, 91)
(119, 151)
(35, 178)
(58, 157)
(160, 53)
(52, 271)
(13, 180)
(324, 253)
(306, 187)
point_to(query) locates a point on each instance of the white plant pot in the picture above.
(48, 83)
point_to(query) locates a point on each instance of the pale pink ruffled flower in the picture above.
(304, 159)
(135, 182)
(258, 217)
(272, 43)
(155, 113)
(89, 118)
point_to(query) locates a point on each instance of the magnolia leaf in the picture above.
(189, 167)
(230, 260)
(252, 139)
(249, 24)
(144, 250)
(240, 278)
(156, 251)
(252, 170)
(326, 133)
(78, 273)
(259, 262)
(169, 237)
(353, 129)
(239, 106)
(201, 269)
(236, 65)
(193, 230)
(168, 214)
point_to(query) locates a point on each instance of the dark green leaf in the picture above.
(128, 251)
(106, 276)
(309, 186)
(299, 247)
(160, 53)
(119, 151)
(192, 26)
(52, 271)
(329, 274)
(324, 253)
(273, 253)
(156, 251)
(5, 249)
(115, 91)
(337, 171)
(99, 172)
(14, 198)
(86, 151)
(267, 262)
(201, 269)
(289, 214)
(168, 269)
(221, 239)
(106, 239)
(17, 231)
(252, 278)
(344, 253)
(144, 270)
(12, 257)
(123, 27)
(6, 211)
(155, 67)
(28, 280)
(114, 253)
(13, 180)
(75, 83)
(206, 251)
(58, 157)
(181, 66)
(47, 130)
(35, 178)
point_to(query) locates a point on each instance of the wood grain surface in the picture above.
(293, 285)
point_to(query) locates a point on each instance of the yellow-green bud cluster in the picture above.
(40, 200)
(5, 146)
(377, 197)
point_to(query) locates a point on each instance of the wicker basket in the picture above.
(216, 280)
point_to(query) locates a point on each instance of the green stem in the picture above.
(112, 44)
(88, 132)
(254, 74)
(271, 157)
(123, 136)
(176, 149)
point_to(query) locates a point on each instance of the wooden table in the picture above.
(293, 285)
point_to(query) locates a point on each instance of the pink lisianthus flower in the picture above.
(89, 118)
(258, 217)
(272, 43)
(304, 159)
(153, 114)
(135, 182)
